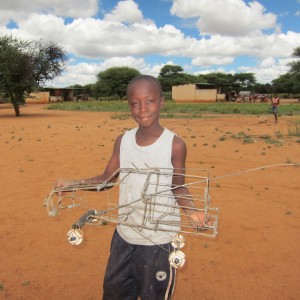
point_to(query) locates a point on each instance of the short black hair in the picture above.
(148, 78)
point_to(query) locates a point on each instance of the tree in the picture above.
(171, 75)
(170, 70)
(26, 65)
(218, 78)
(287, 83)
(295, 65)
(114, 81)
(245, 80)
(263, 88)
(100, 90)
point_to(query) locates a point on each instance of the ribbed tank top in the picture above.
(143, 214)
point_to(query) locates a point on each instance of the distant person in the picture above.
(226, 97)
(275, 103)
(239, 99)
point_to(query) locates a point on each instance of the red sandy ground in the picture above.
(255, 256)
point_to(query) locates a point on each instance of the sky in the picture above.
(202, 36)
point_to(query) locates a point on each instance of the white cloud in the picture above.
(103, 38)
(96, 38)
(205, 61)
(268, 69)
(255, 45)
(126, 11)
(124, 37)
(207, 71)
(226, 17)
(268, 62)
(81, 73)
(18, 9)
(85, 73)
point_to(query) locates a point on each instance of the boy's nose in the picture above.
(143, 106)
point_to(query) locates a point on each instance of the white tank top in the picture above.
(145, 209)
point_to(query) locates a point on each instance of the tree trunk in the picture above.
(17, 109)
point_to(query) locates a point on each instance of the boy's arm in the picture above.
(112, 166)
(182, 194)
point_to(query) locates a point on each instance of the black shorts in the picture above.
(135, 270)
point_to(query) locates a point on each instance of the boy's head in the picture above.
(145, 99)
(155, 84)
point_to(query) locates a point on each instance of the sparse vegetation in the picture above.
(248, 140)
(180, 110)
(294, 128)
(273, 142)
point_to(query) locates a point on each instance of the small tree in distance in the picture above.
(26, 65)
(114, 81)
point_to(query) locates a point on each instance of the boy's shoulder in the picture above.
(178, 143)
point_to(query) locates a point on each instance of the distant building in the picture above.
(196, 92)
(57, 95)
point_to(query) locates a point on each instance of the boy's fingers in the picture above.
(59, 184)
(199, 220)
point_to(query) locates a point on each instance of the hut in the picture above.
(196, 92)
(57, 95)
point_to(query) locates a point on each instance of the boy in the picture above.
(138, 264)
(275, 102)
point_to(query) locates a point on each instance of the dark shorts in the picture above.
(135, 270)
(275, 109)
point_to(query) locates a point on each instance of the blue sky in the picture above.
(202, 36)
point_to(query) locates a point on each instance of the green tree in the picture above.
(287, 83)
(170, 70)
(100, 90)
(26, 65)
(171, 75)
(245, 80)
(114, 81)
(218, 78)
(263, 88)
(295, 65)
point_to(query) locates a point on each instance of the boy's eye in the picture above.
(134, 103)
(150, 100)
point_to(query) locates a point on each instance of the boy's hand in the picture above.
(198, 219)
(63, 183)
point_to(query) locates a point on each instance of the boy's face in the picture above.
(145, 103)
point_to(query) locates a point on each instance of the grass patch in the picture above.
(248, 140)
(265, 136)
(278, 134)
(273, 142)
(180, 110)
(123, 116)
(294, 128)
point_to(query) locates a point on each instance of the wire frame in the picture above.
(156, 209)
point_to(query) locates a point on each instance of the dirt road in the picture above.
(255, 256)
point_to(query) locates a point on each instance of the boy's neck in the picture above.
(148, 136)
